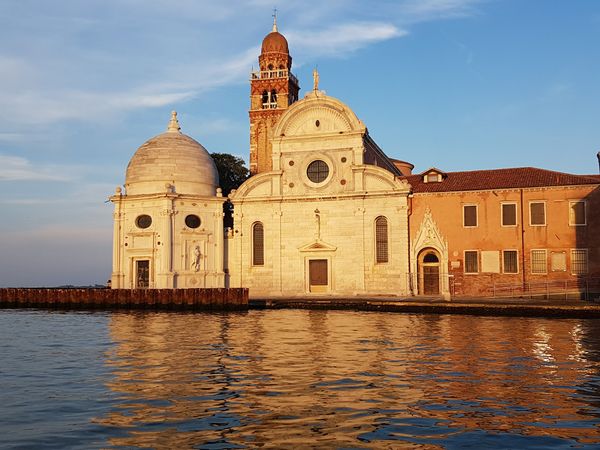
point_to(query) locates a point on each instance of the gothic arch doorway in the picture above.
(428, 272)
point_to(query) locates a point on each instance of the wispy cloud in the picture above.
(74, 78)
(340, 39)
(16, 168)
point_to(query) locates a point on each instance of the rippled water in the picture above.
(297, 379)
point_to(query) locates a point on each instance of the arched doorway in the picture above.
(428, 270)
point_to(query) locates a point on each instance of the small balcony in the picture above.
(270, 74)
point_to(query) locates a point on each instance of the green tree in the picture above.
(232, 171)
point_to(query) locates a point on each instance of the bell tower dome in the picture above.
(273, 88)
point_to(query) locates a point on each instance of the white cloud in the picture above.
(343, 38)
(16, 168)
(413, 11)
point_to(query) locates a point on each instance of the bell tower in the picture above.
(273, 89)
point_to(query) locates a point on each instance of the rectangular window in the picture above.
(538, 261)
(537, 213)
(471, 261)
(509, 214)
(510, 263)
(577, 213)
(470, 215)
(558, 261)
(579, 261)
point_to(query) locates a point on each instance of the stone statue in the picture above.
(315, 79)
(196, 260)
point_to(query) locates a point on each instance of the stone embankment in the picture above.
(480, 307)
(164, 299)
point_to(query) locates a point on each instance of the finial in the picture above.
(315, 79)
(274, 20)
(174, 123)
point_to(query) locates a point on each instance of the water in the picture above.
(297, 379)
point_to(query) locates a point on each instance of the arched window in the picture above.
(273, 96)
(265, 99)
(258, 244)
(381, 240)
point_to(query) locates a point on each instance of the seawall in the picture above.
(159, 299)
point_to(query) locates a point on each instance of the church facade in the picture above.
(327, 213)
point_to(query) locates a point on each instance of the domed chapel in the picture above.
(326, 212)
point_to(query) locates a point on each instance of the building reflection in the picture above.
(317, 378)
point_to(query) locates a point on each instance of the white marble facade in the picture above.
(314, 218)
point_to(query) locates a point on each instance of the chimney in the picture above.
(598, 156)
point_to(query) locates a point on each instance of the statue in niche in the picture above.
(196, 259)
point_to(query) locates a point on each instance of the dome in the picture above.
(172, 158)
(275, 42)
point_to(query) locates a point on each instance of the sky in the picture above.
(454, 84)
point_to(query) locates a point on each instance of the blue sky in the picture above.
(456, 84)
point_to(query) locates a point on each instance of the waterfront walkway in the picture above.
(536, 307)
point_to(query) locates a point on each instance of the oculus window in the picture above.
(317, 171)
(192, 221)
(143, 221)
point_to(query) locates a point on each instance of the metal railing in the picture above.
(269, 74)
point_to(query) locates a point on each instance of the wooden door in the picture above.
(431, 280)
(317, 275)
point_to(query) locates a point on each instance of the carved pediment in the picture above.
(318, 246)
(429, 235)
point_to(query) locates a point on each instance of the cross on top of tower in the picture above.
(274, 20)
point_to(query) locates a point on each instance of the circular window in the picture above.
(192, 221)
(143, 221)
(317, 171)
(317, 123)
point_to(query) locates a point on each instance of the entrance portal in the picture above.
(142, 271)
(317, 275)
(429, 272)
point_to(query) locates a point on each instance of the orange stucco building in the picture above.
(504, 232)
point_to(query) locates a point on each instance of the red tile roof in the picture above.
(519, 177)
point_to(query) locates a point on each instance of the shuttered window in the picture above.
(471, 261)
(381, 240)
(509, 261)
(577, 213)
(537, 213)
(258, 244)
(538, 261)
(509, 214)
(470, 215)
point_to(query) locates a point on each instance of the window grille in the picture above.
(381, 240)
(538, 261)
(471, 262)
(510, 261)
(509, 214)
(579, 261)
(258, 244)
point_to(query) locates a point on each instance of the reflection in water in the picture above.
(344, 379)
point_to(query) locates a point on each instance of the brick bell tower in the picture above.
(272, 90)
